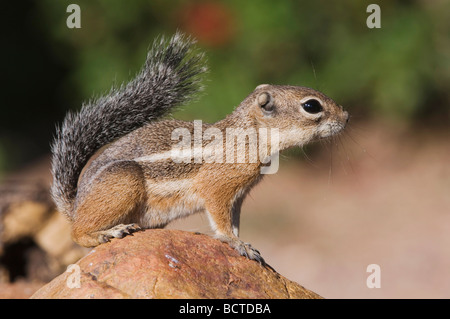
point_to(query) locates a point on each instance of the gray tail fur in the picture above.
(171, 76)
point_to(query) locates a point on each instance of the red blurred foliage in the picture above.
(211, 22)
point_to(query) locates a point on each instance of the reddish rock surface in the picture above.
(165, 263)
(18, 290)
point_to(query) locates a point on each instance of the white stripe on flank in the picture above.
(175, 155)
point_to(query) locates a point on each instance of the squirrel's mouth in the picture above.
(329, 129)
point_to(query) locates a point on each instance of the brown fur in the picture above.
(121, 189)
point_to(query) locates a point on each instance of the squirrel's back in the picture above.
(170, 77)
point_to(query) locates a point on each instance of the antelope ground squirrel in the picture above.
(118, 167)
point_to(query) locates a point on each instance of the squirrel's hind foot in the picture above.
(118, 231)
(95, 238)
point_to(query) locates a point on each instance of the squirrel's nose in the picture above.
(346, 117)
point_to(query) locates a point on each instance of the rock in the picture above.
(19, 290)
(35, 242)
(161, 263)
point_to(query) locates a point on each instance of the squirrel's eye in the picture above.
(312, 106)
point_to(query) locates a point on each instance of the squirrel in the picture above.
(113, 173)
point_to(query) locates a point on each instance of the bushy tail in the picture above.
(170, 77)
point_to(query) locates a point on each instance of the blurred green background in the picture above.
(399, 73)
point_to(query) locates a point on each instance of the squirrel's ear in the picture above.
(265, 101)
(261, 86)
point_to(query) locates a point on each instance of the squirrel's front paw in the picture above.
(244, 249)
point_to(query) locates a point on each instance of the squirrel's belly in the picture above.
(168, 200)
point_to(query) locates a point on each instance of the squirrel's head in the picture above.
(300, 114)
